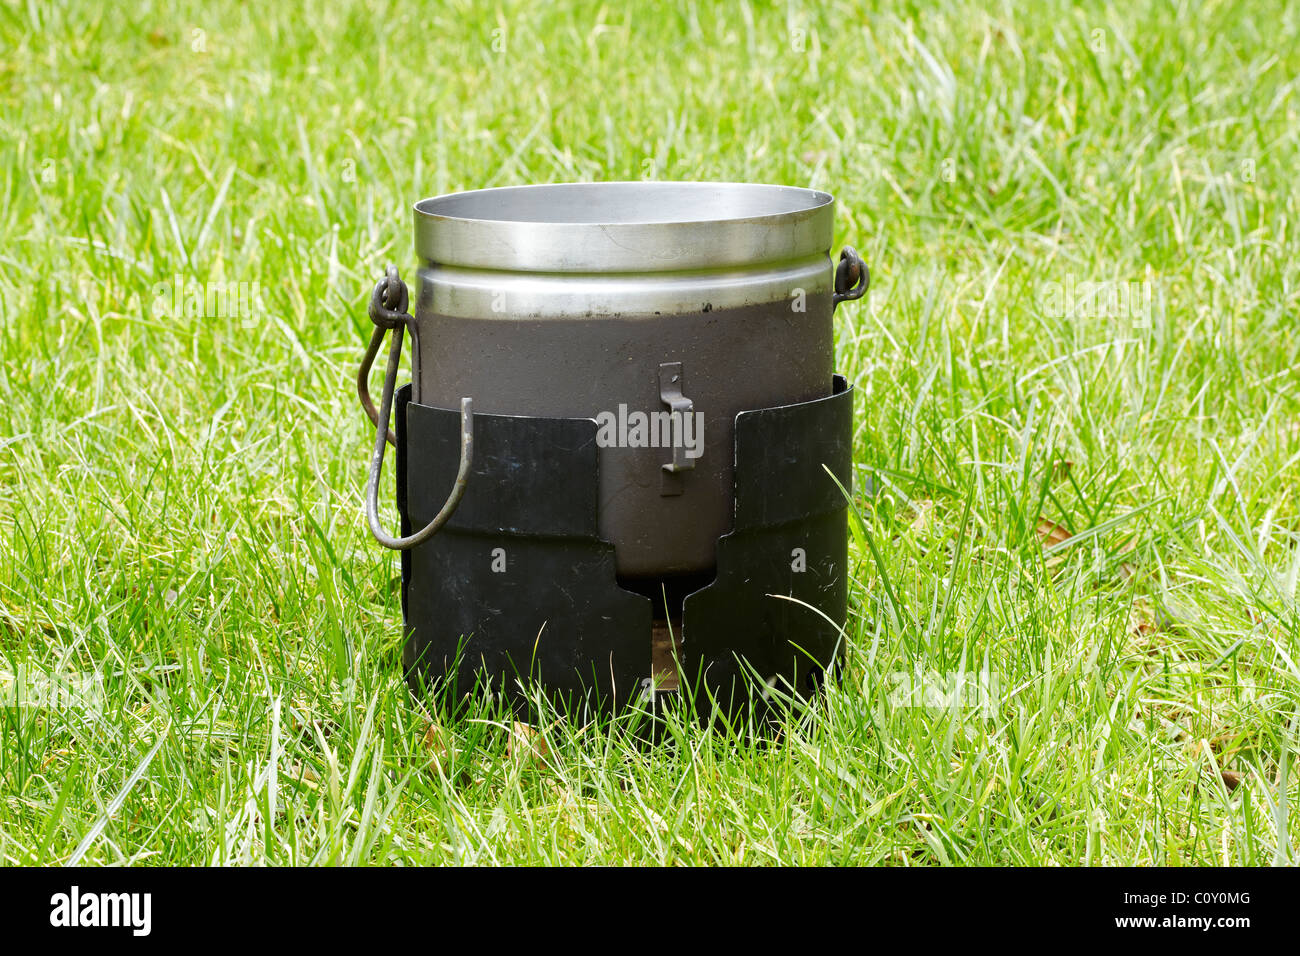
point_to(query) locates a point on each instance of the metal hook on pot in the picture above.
(388, 304)
(852, 277)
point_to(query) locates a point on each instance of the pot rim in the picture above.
(434, 207)
(625, 226)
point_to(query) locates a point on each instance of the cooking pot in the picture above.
(660, 309)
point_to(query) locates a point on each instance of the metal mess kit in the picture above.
(624, 457)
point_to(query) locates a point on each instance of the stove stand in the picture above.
(518, 587)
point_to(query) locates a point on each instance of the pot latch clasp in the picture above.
(681, 428)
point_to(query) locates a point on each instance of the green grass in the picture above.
(180, 499)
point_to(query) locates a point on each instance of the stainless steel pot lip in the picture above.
(785, 202)
(636, 227)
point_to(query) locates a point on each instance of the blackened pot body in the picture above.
(599, 300)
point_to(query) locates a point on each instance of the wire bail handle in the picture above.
(388, 310)
(852, 277)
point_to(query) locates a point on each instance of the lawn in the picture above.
(1078, 420)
